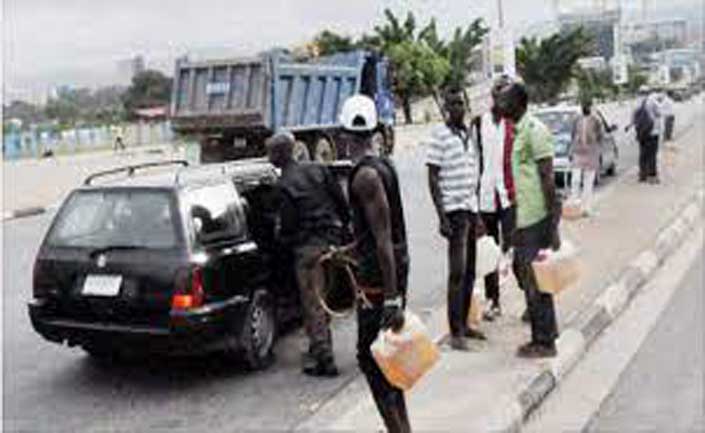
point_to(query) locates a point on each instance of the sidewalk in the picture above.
(471, 391)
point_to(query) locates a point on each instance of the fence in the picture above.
(34, 143)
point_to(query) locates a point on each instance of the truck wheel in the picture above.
(323, 150)
(259, 331)
(378, 144)
(301, 152)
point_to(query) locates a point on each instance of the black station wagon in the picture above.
(167, 258)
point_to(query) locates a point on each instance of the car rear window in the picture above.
(216, 213)
(559, 122)
(98, 219)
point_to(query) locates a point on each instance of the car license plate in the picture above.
(239, 143)
(102, 285)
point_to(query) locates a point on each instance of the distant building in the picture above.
(128, 68)
(667, 30)
(603, 26)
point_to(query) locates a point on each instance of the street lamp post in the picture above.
(500, 13)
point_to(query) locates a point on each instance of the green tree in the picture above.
(65, 109)
(421, 61)
(394, 32)
(596, 84)
(148, 89)
(458, 51)
(86, 106)
(328, 43)
(635, 79)
(418, 70)
(548, 66)
(28, 113)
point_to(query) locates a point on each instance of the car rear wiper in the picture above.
(103, 250)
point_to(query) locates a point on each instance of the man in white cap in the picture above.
(380, 248)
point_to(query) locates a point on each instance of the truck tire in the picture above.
(324, 150)
(301, 152)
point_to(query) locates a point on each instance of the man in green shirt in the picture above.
(538, 213)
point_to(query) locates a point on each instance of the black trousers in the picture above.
(648, 153)
(527, 243)
(461, 275)
(498, 223)
(388, 399)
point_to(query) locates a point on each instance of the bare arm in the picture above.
(338, 197)
(434, 187)
(545, 166)
(367, 184)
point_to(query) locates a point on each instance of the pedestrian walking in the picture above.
(647, 123)
(119, 143)
(453, 177)
(496, 198)
(314, 215)
(381, 250)
(537, 215)
(587, 135)
(669, 118)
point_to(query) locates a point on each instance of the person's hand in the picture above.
(392, 314)
(445, 228)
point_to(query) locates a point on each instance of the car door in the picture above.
(230, 260)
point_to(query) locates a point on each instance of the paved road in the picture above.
(662, 389)
(55, 389)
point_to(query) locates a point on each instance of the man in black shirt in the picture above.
(313, 214)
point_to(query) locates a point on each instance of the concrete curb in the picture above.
(23, 213)
(577, 337)
(38, 210)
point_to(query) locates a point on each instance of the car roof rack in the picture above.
(233, 168)
(131, 169)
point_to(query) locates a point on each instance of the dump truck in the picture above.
(231, 106)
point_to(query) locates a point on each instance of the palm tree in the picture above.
(547, 66)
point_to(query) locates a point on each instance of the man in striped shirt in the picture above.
(453, 177)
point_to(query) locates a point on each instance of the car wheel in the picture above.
(613, 168)
(323, 150)
(259, 332)
(598, 174)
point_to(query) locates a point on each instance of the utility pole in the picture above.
(500, 13)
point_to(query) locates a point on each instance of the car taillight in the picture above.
(42, 280)
(190, 295)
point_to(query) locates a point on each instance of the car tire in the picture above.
(258, 332)
(598, 174)
(612, 170)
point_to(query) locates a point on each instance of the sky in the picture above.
(80, 42)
